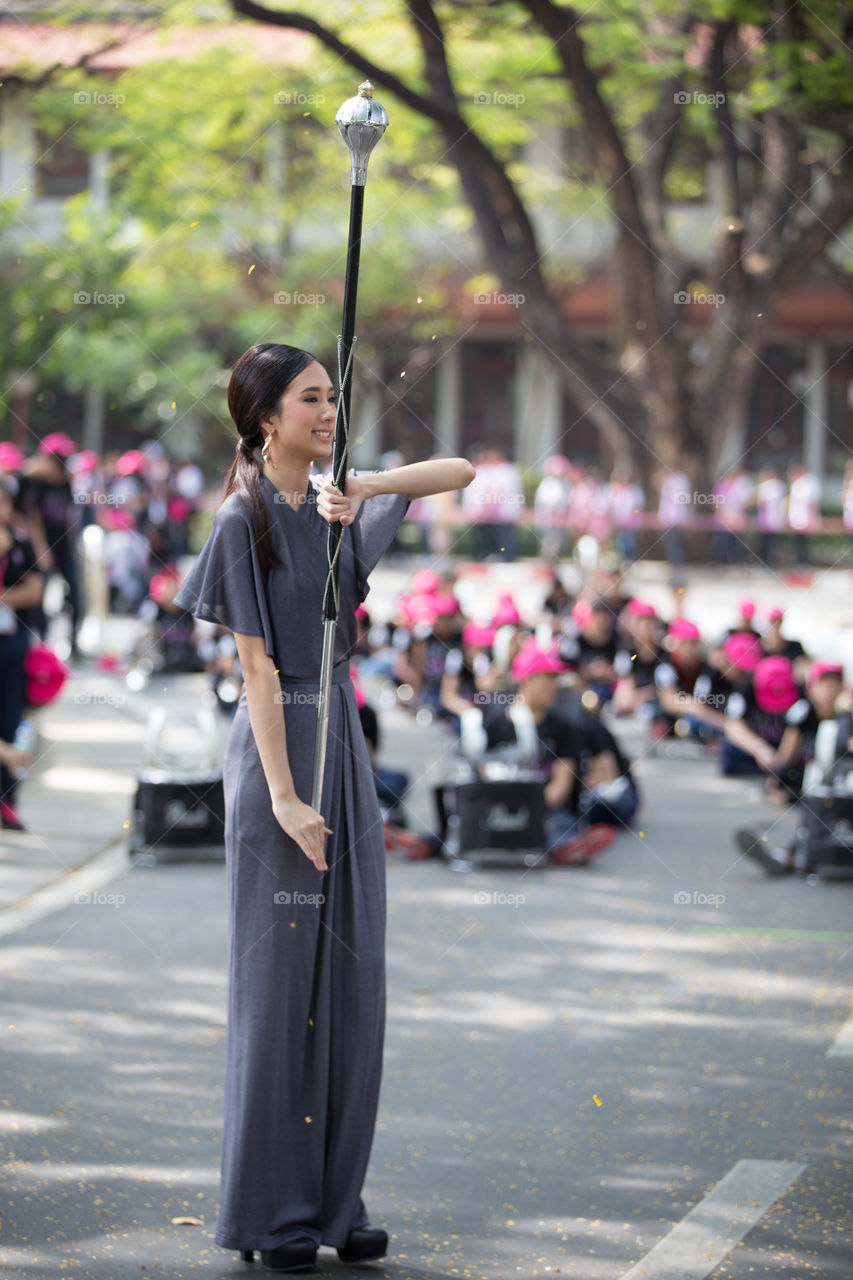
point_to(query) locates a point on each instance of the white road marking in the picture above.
(714, 1226)
(842, 1045)
(63, 891)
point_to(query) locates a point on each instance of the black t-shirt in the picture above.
(15, 565)
(557, 601)
(577, 650)
(631, 666)
(435, 656)
(558, 739)
(713, 689)
(600, 739)
(803, 716)
(792, 649)
(769, 725)
(669, 676)
(455, 665)
(593, 735)
(55, 502)
(588, 651)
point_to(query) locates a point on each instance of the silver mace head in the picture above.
(362, 122)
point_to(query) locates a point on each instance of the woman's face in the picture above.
(304, 423)
(5, 507)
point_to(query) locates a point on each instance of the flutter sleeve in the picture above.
(376, 522)
(226, 585)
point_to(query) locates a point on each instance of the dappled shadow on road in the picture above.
(590, 1050)
(574, 1057)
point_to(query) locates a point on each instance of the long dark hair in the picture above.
(258, 381)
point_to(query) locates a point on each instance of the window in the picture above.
(62, 168)
(488, 404)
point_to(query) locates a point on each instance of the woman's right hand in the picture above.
(304, 825)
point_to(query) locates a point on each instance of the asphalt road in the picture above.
(575, 1058)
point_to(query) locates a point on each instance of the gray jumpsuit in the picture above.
(306, 987)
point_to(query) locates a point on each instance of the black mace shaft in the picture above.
(362, 122)
(340, 454)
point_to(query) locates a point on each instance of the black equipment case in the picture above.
(179, 810)
(497, 820)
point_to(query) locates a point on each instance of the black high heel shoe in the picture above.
(364, 1244)
(298, 1255)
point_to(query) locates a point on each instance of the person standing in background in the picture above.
(626, 502)
(475, 501)
(847, 499)
(21, 587)
(673, 509)
(804, 493)
(770, 497)
(733, 494)
(508, 501)
(46, 502)
(551, 506)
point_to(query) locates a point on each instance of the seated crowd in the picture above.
(555, 684)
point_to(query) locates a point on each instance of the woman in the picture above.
(306, 944)
(20, 592)
(46, 500)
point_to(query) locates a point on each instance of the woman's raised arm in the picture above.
(417, 479)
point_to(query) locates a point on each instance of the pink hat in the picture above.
(742, 651)
(362, 614)
(746, 609)
(426, 582)
(774, 685)
(445, 604)
(681, 629)
(45, 675)
(131, 462)
(557, 465)
(418, 608)
(478, 637)
(775, 615)
(58, 442)
(506, 614)
(820, 669)
(158, 587)
(531, 660)
(11, 457)
(582, 612)
(640, 609)
(120, 520)
(178, 509)
(85, 460)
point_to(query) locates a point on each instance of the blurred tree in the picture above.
(213, 236)
(657, 98)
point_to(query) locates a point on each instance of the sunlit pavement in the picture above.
(576, 1058)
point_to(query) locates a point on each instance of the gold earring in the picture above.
(266, 455)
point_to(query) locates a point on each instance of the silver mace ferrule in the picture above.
(362, 122)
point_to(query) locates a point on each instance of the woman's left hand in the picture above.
(334, 505)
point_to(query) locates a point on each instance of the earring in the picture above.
(266, 455)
